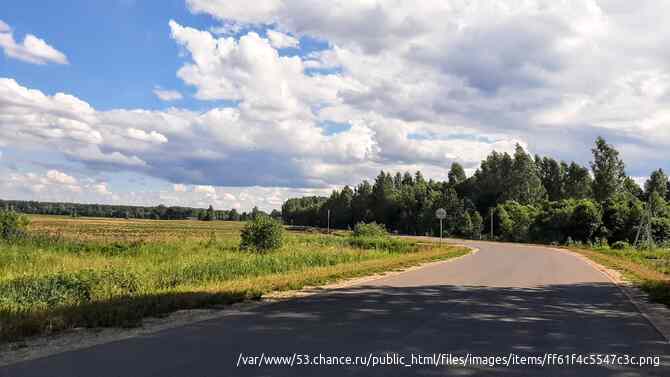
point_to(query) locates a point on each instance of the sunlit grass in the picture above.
(649, 269)
(102, 272)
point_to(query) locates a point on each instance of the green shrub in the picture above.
(262, 234)
(12, 225)
(372, 230)
(620, 245)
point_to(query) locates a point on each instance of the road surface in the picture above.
(504, 299)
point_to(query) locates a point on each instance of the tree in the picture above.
(505, 224)
(608, 171)
(525, 183)
(477, 224)
(552, 175)
(456, 174)
(361, 203)
(491, 180)
(578, 182)
(586, 220)
(657, 182)
(465, 225)
(210, 214)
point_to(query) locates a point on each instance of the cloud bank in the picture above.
(401, 93)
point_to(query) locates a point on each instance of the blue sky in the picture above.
(286, 98)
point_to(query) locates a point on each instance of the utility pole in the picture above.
(491, 224)
(441, 214)
(440, 230)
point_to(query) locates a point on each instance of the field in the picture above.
(75, 272)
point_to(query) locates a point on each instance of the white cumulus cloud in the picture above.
(32, 50)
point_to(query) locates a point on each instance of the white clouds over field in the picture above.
(409, 85)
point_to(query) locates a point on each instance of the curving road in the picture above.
(503, 299)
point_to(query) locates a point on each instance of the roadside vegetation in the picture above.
(74, 272)
(647, 268)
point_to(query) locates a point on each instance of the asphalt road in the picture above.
(504, 299)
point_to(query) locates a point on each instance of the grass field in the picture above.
(111, 272)
(649, 269)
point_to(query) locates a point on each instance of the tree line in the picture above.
(159, 212)
(521, 197)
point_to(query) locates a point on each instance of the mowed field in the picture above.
(93, 272)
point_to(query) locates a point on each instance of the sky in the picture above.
(199, 102)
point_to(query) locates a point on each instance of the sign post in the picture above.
(441, 214)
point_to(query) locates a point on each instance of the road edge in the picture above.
(658, 315)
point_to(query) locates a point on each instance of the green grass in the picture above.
(648, 269)
(97, 272)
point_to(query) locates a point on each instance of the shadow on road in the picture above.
(564, 319)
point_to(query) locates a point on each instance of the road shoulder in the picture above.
(658, 315)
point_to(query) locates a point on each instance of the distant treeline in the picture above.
(159, 212)
(529, 198)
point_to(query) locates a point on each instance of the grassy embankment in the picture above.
(109, 272)
(649, 269)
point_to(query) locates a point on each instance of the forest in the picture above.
(159, 212)
(517, 197)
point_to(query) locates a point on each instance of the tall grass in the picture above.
(70, 273)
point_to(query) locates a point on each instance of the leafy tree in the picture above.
(525, 183)
(456, 174)
(657, 182)
(578, 182)
(361, 203)
(505, 225)
(492, 180)
(586, 220)
(621, 216)
(477, 224)
(465, 225)
(521, 217)
(552, 175)
(553, 222)
(608, 171)
(383, 198)
(455, 210)
(631, 187)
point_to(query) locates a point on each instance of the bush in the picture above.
(371, 230)
(12, 225)
(620, 245)
(262, 234)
